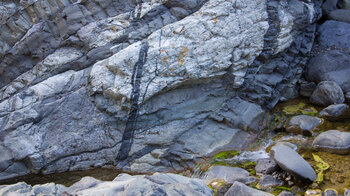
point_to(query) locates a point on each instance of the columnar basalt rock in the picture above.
(211, 70)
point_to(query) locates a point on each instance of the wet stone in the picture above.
(330, 192)
(336, 112)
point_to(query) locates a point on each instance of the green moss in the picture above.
(279, 189)
(227, 154)
(300, 108)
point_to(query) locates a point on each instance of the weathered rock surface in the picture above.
(290, 161)
(333, 65)
(303, 124)
(336, 112)
(24, 189)
(157, 184)
(151, 87)
(239, 189)
(327, 93)
(334, 33)
(341, 15)
(124, 184)
(333, 141)
(229, 174)
(266, 166)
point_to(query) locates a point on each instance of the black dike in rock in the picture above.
(270, 43)
(136, 77)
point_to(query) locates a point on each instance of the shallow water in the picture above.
(66, 178)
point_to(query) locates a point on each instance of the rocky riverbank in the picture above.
(188, 87)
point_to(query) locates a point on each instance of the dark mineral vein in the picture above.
(128, 135)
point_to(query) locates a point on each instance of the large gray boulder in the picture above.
(333, 141)
(144, 88)
(327, 93)
(290, 161)
(334, 34)
(333, 65)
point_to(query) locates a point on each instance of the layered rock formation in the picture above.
(144, 86)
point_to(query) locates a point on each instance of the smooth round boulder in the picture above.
(336, 112)
(334, 34)
(333, 65)
(303, 124)
(341, 15)
(333, 141)
(290, 161)
(327, 93)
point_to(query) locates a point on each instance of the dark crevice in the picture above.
(270, 43)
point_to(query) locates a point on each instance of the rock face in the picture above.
(143, 85)
(290, 161)
(333, 141)
(303, 124)
(327, 93)
(239, 189)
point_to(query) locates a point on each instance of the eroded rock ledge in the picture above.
(211, 71)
